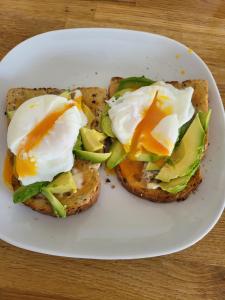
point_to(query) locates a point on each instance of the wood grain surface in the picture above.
(195, 273)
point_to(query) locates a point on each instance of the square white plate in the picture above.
(120, 225)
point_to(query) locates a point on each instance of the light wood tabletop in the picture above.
(195, 273)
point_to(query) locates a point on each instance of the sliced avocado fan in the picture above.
(186, 158)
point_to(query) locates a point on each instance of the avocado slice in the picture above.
(106, 126)
(92, 156)
(122, 92)
(154, 161)
(187, 154)
(143, 156)
(58, 208)
(10, 114)
(105, 122)
(204, 118)
(92, 139)
(155, 166)
(134, 83)
(88, 113)
(118, 155)
(63, 183)
(78, 144)
(182, 131)
(24, 193)
(178, 184)
(147, 156)
(151, 166)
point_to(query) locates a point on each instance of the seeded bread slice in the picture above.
(88, 193)
(136, 184)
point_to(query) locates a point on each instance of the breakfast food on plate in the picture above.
(55, 148)
(57, 139)
(159, 135)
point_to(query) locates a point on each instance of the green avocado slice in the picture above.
(134, 83)
(63, 183)
(204, 118)
(58, 208)
(122, 92)
(92, 156)
(118, 155)
(147, 156)
(105, 122)
(24, 193)
(187, 154)
(92, 139)
(106, 126)
(176, 185)
(155, 166)
(78, 145)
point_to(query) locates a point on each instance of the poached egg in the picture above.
(148, 119)
(42, 134)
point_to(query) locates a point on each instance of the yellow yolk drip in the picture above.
(132, 171)
(8, 170)
(142, 138)
(78, 102)
(26, 165)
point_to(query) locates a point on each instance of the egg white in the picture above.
(53, 154)
(166, 132)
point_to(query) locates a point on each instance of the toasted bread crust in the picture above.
(95, 98)
(200, 101)
(158, 195)
(84, 198)
(87, 195)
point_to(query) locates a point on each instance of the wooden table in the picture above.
(196, 273)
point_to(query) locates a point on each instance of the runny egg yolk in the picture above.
(142, 139)
(78, 102)
(132, 170)
(8, 170)
(25, 164)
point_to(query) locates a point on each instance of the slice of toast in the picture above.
(88, 193)
(138, 186)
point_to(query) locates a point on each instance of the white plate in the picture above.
(120, 225)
